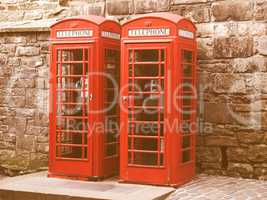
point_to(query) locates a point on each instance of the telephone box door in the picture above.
(144, 156)
(71, 88)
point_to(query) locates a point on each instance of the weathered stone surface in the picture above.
(240, 170)
(197, 13)
(218, 141)
(250, 138)
(217, 113)
(11, 16)
(27, 51)
(261, 10)
(257, 153)
(251, 64)
(261, 45)
(233, 47)
(237, 154)
(118, 7)
(33, 15)
(209, 154)
(228, 83)
(205, 49)
(236, 10)
(144, 6)
(188, 1)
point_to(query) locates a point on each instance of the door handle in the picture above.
(91, 97)
(125, 98)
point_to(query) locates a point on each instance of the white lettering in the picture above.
(111, 35)
(75, 33)
(149, 32)
(186, 34)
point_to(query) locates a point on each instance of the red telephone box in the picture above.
(85, 59)
(158, 100)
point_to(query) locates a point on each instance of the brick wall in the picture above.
(232, 74)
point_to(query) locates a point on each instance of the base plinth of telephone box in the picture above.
(39, 186)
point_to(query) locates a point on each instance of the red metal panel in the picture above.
(78, 152)
(176, 35)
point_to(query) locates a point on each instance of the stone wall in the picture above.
(232, 74)
(24, 86)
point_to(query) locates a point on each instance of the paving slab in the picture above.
(205, 187)
(39, 186)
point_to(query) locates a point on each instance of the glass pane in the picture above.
(146, 55)
(111, 88)
(162, 55)
(111, 150)
(145, 129)
(69, 152)
(149, 159)
(146, 113)
(186, 156)
(146, 70)
(72, 55)
(147, 144)
(71, 137)
(186, 127)
(149, 85)
(72, 124)
(186, 142)
(187, 56)
(186, 112)
(148, 100)
(187, 70)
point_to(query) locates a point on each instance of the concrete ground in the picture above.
(206, 187)
(203, 187)
(39, 186)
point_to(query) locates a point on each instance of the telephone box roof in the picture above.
(163, 15)
(98, 20)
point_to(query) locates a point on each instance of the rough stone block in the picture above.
(119, 7)
(144, 6)
(38, 160)
(229, 83)
(250, 138)
(15, 39)
(205, 30)
(33, 15)
(27, 51)
(237, 154)
(218, 141)
(261, 45)
(205, 49)
(240, 170)
(197, 13)
(26, 142)
(233, 47)
(261, 11)
(42, 148)
(11, 16)
(92, 8)
(209, 154)
(189, 1)
(257, 153)
(238, 10)
(248, 65)
(44, 36)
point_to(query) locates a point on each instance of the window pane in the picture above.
(187, 56)
(186, 156)
(146, 55)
